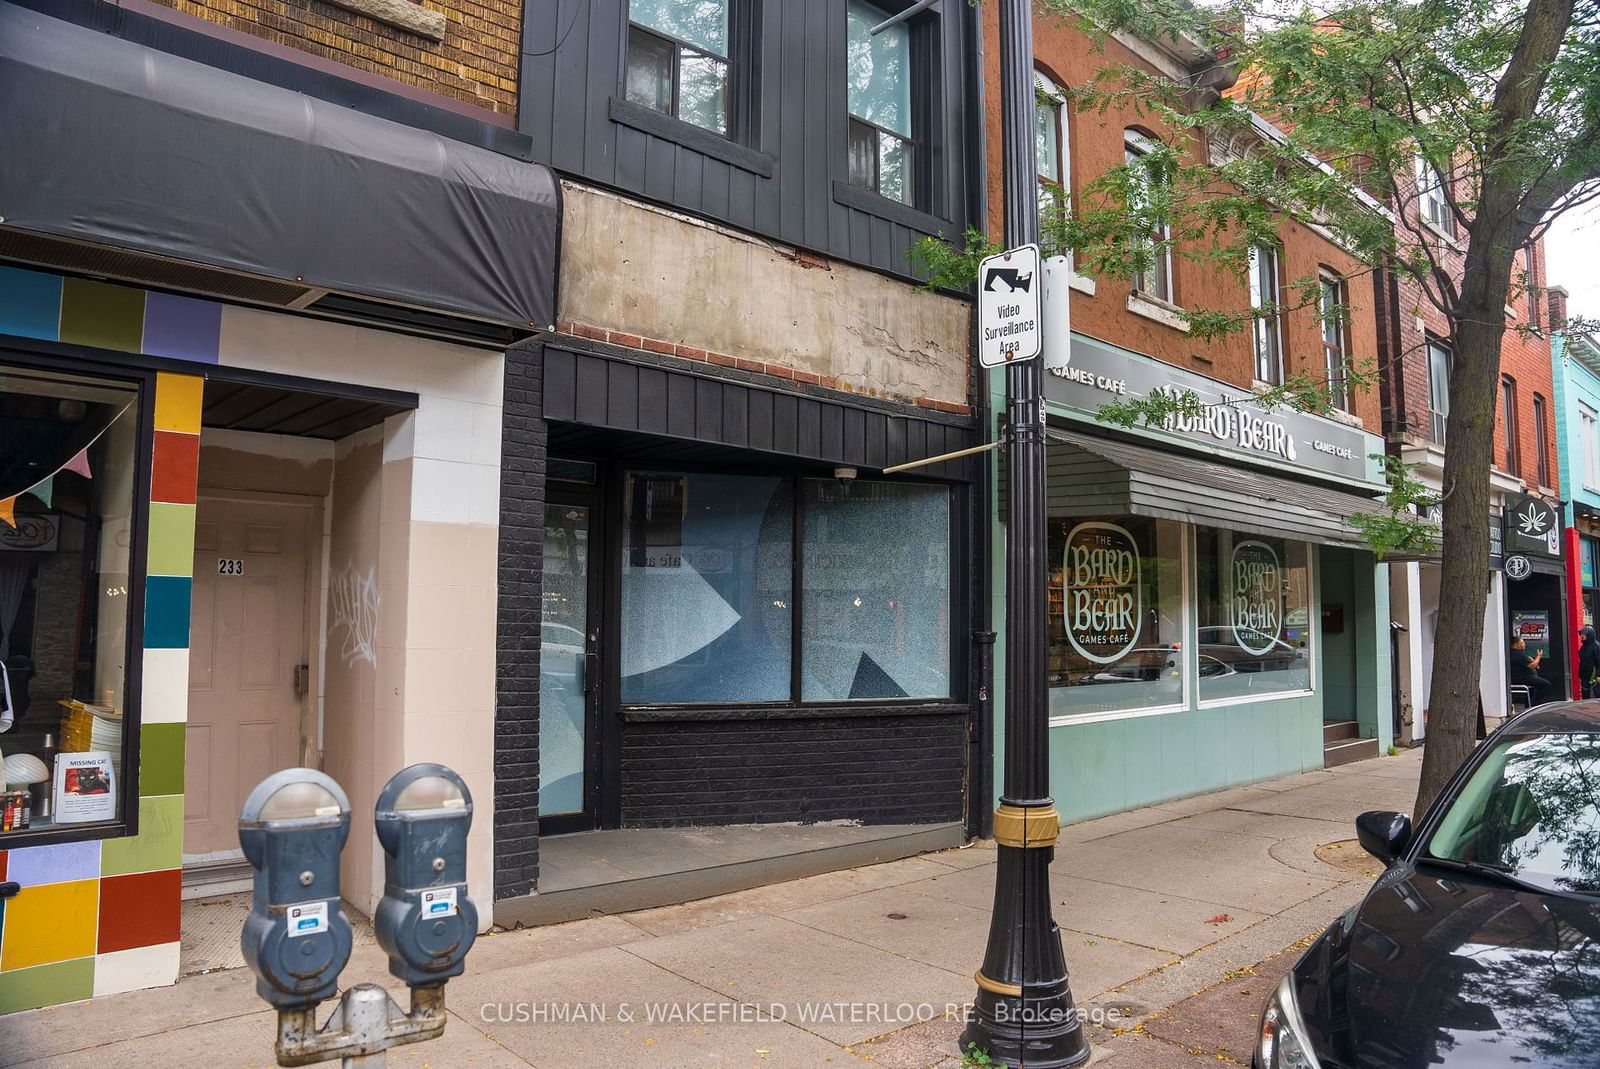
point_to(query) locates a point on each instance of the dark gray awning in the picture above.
(120, 145)
(1099, 476)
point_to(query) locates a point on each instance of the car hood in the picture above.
(1434, 969)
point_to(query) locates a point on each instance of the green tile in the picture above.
(102, 315)
(161, 759)
(46, 985)
(159, 844)
(171, 539)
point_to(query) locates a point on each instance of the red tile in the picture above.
(140, 910)
(175, 468)
(2, 865)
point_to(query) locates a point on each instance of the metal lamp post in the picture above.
(1024, 1014)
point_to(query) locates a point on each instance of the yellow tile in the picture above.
(178, 401)
(48, 923)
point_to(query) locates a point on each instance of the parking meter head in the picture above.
(425, 922)
(296, 940)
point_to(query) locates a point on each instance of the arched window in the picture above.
(1051, 154)
(1156, 280)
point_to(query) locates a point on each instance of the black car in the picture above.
(1480, 944)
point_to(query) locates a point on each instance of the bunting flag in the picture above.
(79, 464)
(8, 512)
(45, 491)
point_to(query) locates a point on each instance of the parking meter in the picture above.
(425, 921)
(296, 939)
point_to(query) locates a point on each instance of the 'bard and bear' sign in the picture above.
(1255, 598)
(1104, 599)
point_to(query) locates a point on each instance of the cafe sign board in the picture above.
(1231, 422)
(1104, 599)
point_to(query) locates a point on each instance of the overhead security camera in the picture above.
(844, 475)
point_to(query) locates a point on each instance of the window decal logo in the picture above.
(1255, 596)
(1103, 597)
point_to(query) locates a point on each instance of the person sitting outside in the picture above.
(1525, 671)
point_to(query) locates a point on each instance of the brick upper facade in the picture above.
(475, 64)
(1068, 55)
(1406, 327)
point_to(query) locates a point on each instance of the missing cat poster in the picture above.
(85, 788)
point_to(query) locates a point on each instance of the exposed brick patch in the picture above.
(757, 367)
(476, 63)
(812, 260)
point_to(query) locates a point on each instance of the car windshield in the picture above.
(1532, 810)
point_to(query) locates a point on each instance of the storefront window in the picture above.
(1115, 615)
(709, 570)
(876, 577)
(706, 588)
(1254, 615)
(67, 494)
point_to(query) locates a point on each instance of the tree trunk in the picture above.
(1469, 448)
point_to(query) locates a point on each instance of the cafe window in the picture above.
(1265, 327)
(1156, 279)
(709, 580)
(1115, 615)
(1254, 615)
(678, 60)
(69, 561)
(1334, 309)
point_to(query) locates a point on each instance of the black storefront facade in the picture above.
(1536, 608)
(735, 618)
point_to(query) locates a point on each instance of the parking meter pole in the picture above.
(1023, 1014)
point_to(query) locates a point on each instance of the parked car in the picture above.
(1480, 943)
(1148, 664)
(1221, 643)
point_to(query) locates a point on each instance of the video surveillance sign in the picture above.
(1008, 307)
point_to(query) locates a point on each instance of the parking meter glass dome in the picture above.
(300, 801)
(430, 792)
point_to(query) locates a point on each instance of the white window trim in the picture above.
(1044, 83)
(1255, 302)
(1152, 307)
(1589, 444)
(1142, 145)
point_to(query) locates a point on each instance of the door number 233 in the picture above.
(230, 566)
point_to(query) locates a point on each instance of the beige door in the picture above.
(247, 641)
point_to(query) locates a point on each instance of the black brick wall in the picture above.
(883, 769)
(516, 748)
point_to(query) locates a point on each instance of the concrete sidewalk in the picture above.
(849, 968)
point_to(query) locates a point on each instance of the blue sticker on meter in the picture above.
(308, 918)
(439, 903)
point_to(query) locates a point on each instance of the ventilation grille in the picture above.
(105, 262)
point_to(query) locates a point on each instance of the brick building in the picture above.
(377, 491)
(1197, 696)
(1414, 367)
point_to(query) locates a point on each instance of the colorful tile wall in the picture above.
(100, 917)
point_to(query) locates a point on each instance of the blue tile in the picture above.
(166, 612)
(34, 866)
(30, 304)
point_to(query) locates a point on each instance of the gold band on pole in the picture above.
(996, 987)
(1029, 829)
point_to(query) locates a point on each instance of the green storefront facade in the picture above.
(1211, 609)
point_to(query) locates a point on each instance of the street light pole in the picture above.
(1023, 1014)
